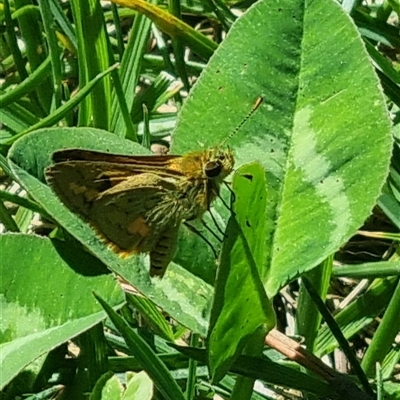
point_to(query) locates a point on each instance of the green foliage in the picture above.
(311, 164)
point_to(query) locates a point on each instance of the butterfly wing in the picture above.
(132, 211)
(136, 203)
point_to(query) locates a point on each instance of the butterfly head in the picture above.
(219, 164)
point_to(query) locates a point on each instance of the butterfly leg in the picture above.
(219, 229)
(197, 232)
(233, 197)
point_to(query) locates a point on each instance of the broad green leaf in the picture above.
(240, 305)
(46, 295)
(322, 133)
(184, 296)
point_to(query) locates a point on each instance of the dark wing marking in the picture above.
(95, 156)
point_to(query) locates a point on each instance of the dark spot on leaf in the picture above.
(221, 88)
(248, 223)
(217, 71)
(248, 176)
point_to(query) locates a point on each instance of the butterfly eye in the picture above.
(213, 169)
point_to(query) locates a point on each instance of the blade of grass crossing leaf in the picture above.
(178, 46)
(379, 385)
(28, 84)
(18, 59)
(383, 63)
(16, 118)
(223, 13)
(131, 130)
(148, 359)
(119, 34)
(7, 220)
(5, 166)
(129, 74)
(372, 270)
(334, 327)
(391, 207)
(146, 140)
(163, 48)
(358, 314)
(54, 50)
(64, 23)
(23, 218)
(192, 370)
(31, 31)
(23, 202)
(93, 59)
(12, 42)
(308, 319)
(385, 335)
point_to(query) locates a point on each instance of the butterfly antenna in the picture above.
(257, 104)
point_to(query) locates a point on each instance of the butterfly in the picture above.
(138, 203)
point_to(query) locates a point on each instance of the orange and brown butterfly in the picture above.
(137, 203)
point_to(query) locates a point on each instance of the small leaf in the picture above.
(108, 387)
(240, 305)
(140, 387)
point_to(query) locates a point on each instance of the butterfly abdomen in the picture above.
(163, 252)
